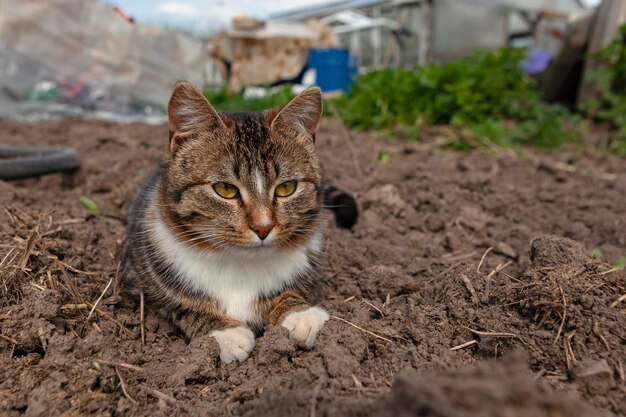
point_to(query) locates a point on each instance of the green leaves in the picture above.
(597, 254)
(383, 157)
(88, 204)
(224, 101)
(610, 81)
(480, 93)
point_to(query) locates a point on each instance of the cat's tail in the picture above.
(343, 206)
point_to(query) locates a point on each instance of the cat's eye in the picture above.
(226, 190)
(285, 189)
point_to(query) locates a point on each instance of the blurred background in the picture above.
(385, 63)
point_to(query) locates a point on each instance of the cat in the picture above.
(226, 235)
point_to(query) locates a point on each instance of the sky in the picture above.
(203, 15)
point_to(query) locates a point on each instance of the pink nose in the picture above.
(262, 231)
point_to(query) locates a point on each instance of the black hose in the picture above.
(31, 161)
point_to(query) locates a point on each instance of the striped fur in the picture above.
(199, 258)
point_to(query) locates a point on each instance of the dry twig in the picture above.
(464, 345)
(99, 298)
(498, 269)
(470, 288)
(159, 395)
(492, 334)
(123, 385)
(604, 272)
(119, 364)
(453, 257)
(558, 333)
(8, 339)
(141, 318)
(619, 300)
(570, 359)
(482, 259)
(74, 306)
(77, 271)
(600, 336)
(374, 307)
(363, 330)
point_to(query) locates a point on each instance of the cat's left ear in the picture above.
(301, 114)
(190, 113)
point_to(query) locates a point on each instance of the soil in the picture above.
(474, 284)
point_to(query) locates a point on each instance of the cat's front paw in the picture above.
(235, 343)
(304, 325)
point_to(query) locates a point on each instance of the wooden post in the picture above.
(610, 16)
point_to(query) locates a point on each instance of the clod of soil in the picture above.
(435, 279)
(493, 389)
(562, 311)
(555, 251)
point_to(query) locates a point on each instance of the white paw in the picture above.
(304, 325)
(235, 343)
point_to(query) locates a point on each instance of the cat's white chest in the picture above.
(236, 278)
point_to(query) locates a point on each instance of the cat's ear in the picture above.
(301, 114)
(189, 113)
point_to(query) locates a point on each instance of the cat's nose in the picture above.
(262, 230)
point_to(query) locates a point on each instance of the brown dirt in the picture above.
(407, 273)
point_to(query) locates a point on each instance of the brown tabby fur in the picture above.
(208, 147)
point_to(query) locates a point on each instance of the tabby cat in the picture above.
(226, 235)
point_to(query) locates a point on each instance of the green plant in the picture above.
(225, 101)
(88, 204)
(481, 93)
(597, 254)
(610, 80)
(383, 157)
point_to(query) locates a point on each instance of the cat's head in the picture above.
(242, 180)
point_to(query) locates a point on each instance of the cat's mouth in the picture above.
(261, 244)
(258, 250)
(251, 242)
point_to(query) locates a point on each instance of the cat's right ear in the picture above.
(189, 113)
(301, 114)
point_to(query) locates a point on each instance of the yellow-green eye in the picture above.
(285, 189)
(225, 190)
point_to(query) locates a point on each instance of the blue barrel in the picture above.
(335, 68)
